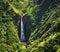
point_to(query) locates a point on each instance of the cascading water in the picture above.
(22, 38)
(22, 30)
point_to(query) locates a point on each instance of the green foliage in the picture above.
(6, 48)
(9, 40)
(58, 50)
(43, 25)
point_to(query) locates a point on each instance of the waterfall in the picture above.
(22, 30)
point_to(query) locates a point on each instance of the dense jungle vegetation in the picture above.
(43, 25)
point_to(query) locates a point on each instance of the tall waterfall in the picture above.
(22, 30)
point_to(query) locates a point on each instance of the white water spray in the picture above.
(22, 30)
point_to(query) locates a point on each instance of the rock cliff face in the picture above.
(27, 23)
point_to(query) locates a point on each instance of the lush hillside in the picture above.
(43, 25)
